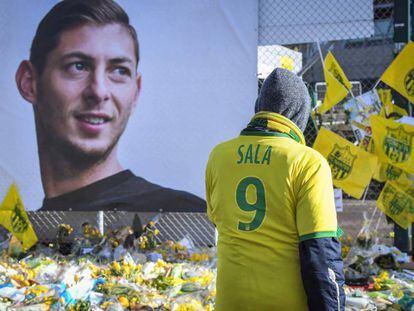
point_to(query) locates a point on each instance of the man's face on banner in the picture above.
(87, 90)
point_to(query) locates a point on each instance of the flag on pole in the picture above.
(400, 74)
(393, 142)
(388, 108)
(388, 172)
(337, 84)
(397, 204)
(352, 168)
(14, 218)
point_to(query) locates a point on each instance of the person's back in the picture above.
(266, 193)
(256, 216)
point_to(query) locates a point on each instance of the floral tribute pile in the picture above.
(378, 277)
(118, 271)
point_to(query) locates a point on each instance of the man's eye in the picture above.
(122, 71)
(79, 66)
(120, 74)
(76, 67)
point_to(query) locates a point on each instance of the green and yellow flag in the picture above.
(388, 107)
(337, 84)
(14, 218)
(388, 172)
(352, 168)
(400, 74)
(397, 204)
(393, 142)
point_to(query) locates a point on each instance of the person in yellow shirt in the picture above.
(271, 200)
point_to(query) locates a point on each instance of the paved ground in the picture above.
(351, 220)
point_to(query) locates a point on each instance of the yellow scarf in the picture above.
(273, 121)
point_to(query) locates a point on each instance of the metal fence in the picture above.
(358, 32)
(176, 226)
(172, 226)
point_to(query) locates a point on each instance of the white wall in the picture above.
(198, 61)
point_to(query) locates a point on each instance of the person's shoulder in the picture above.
(222, 149)
(126, 192)
(168, 199)
(309, 154)
(304, 157)
(224, 145)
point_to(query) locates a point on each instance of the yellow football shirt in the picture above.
(265, 193)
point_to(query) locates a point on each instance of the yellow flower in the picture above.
(19, 280)
(160, 264)
(211, 295)
(123, 301)
(106, 304)
(30, 274)
(127, 270)
(156, 231)
(195, 257)
(116, 266)
(186, 307)
(384, 275)
(192, 305)
(49, 300)
(399, 294)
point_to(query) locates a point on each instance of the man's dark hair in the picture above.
(69, 14)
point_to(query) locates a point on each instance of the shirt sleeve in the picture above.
(315, 208)
(322, 273)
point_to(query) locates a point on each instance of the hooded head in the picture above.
(285, 93)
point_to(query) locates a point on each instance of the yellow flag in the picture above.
(387, 172)
(397, 111)
(397, 204)
(388, 108)
(337, 84)
(400, 74)
(393, 142)
(352, 167)
(14, 218)
(287, 62)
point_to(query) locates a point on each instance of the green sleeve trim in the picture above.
(339, 232)
(317, 235)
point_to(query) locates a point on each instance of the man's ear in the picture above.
(138, 82)
(26, 81)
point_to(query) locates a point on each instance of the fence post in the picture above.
(100, 222)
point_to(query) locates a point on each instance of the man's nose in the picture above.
(97, 90)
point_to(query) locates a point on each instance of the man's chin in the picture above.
(82, 155)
